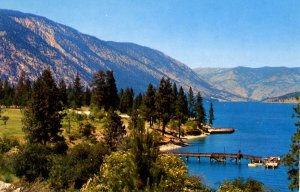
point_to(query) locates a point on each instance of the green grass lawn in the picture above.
(13, 126)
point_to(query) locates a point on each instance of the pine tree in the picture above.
(143, 145)
(174, 98)
(62, 92)
(8, 93)
(201, 115)
(42, 117)
(77, 92)
(27, 91)
(137, 102)
(148, 108)
(1, 92)
(211, 115)
(99, 89)
(291, 160)
(191, 103)
(111, 99)
(181, 109)
(126, 102)
(20, 99)
(114, 130)
(87, 95)
(163, 101)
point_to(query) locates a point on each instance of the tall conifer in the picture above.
(99, 89)
(114, 130)
(148, 105)
(181, 109)
(111, 96)
(78, 92)
(191, 103)
(201, 115)
(42, 117)
(211, 115)
(163, 101)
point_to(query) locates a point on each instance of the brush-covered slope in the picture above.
(32, 43)
(253, 83)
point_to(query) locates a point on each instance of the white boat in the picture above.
(252, 165)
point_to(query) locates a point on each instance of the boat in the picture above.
(252, 165)
(271, 164)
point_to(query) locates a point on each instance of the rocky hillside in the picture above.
(253, 83)
(287, 98)
(32, 43)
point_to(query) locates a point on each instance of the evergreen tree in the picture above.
(291, 160)
(211, 115)
(181, 109)
(8, 93)
(163, 102)
(148, 108)
(87, 95)
(112, 99)
(126, 102)
(144, 147)
(191, 103)
(27, 91)
(137, 102)
(201, 115)
(77, 92)
(1, 92)
(20, 99)
(62, 92)
(174, 98)
(114, 130)
(70, 95)
(99, 89)
(42, 117)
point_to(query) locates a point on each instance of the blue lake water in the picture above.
(263, 129)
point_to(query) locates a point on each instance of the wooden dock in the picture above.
(219, 157)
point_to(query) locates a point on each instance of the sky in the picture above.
(199, 33)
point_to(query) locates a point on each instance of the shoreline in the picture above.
(171, 146)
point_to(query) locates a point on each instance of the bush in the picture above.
(4, 119)
(7, 143)
(75, 168)
(32, 161)
(118, 173)
(86, 129)
(241, 184)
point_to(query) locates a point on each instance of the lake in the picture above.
(262, 129)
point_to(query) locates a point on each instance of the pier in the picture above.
(220, 157)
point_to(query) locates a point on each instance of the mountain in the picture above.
(253, 83)
(287, 98)
(31, 43)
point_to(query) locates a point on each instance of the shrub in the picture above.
(86, 129)
(75, 168)
(32, 161)
(6, 143)
(241, 184)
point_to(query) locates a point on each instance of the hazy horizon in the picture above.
(221, 34)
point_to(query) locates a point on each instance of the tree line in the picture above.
(162, 104)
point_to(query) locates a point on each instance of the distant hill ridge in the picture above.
(32, 43)
(253, 83)
(287, 98)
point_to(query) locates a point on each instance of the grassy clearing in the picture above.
(13, 126)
